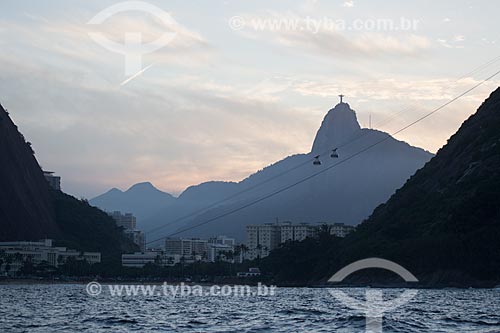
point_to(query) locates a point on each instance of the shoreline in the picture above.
(34, 281)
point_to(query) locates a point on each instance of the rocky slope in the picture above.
(30, 210)
(26, 210)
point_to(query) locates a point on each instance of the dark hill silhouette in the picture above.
(30, 210)
(26, 210)
(443, 225)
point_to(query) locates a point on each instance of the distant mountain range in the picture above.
(348, 193)
(143, 199)
(443, 225)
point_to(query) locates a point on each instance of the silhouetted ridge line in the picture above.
(332, 166)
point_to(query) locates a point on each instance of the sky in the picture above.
(229, 87)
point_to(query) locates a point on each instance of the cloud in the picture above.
(348, 4)
(363, 45)
(403, 89)
(67, 43)
(331, 38)
(454, 43)
(175, 131)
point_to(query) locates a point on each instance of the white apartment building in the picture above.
(220, 252)
(224, 240)
(42, 251)
(296, 232)
(187, 247)
(341, 229)
(129, 223)
(127, 220)
(199, 247)
(262, 238)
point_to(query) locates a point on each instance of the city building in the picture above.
(127, 220)
(137, 237)
(341, 229)
(129, 223)
(215, 249)
(221, 248)
(220, 252)
(186, 247)
(140, 259)
(224, 240)
(263, 238)
(19, 252)
(54, 181)
(296, 232)
(199, 247)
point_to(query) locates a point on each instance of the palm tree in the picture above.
(244, 250)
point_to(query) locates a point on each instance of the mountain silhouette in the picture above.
(26, 209)
(443, 225)
(348, 193)
(31, 210)
(142, 199)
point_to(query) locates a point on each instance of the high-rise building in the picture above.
(186, 247)
(303, 231)
(224, 240)
(127, 220)
(220, 252)
(341, 229)
(199, 247)
(296, 232)
(263, 238)
(137, 237)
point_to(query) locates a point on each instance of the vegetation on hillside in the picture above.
(86, 228)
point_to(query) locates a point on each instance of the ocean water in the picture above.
(68, 308)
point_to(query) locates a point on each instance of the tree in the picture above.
(8, 260)
(18, 257)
